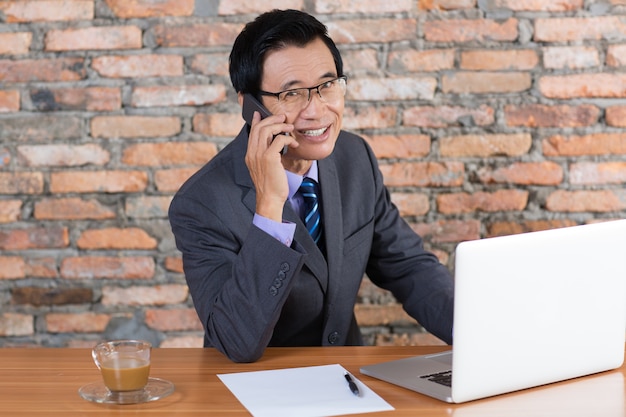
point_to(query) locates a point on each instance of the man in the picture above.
(256, 275)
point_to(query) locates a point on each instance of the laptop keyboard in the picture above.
(443, 378)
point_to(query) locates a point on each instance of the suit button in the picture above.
(277, 283)
(333, 338)
(273, 290)
(284, 267)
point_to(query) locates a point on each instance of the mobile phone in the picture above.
(250, 105)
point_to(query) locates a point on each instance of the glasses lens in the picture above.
(296, 99)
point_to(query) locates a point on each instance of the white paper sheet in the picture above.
(313, 391)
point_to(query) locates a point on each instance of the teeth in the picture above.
(316, 132)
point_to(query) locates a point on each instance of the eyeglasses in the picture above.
(296, 99)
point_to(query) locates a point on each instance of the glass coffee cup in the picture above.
(124, 365)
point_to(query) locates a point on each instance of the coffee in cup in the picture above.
(124, 364)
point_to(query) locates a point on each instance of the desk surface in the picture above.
(42, 381)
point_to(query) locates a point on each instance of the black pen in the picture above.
(353, 387)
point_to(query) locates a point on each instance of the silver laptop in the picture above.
(529, 309)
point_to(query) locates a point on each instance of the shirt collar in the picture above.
(294, 180)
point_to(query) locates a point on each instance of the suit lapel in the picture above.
(332, 220)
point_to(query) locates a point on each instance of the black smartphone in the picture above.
(250, 105)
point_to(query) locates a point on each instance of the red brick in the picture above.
(91, 99)
(360, 61)
(37, 296)
(34, 238)
(487, 145)
(186, 95)
(41, 128)
(500, 200)
(138, 66)
(447, 231)
(16, 324)
(583, 85)
(513, 228)
(616, 116)
(485, 82)
(195, 35)
(592, 173)
(62, 155)
(157, 295)
(21, 182)
(72, 209)
(474, 30)
(616, 55)
(593, 144)
(17, 43)
(45, 70)
(12, 267)
(134, 126)
(431, 60)
(525, 173)
(98, 181)
(399, 146)
(128, 9)
(25, 11)
(170, 180)
(109, 267)
(445, 4)
(579, 29)
(116, 238)
(423, 174)
(169, 153)
(42, 268)
(372, 30)
(537, 5)
(445, 116)
(209, 64)
(76, 322)
(401, 88)
(173, 320)
(146, 207)
(234, 7)
(183, 342)
(9, 101)
(601, 201)
(370, 117)
(218, 124)
(382, 315)
(10, 210)
(518, 59)
(541, 115)
(363, 6)
(411, 204)
(174, 264)
(93, 38)
(573, 57)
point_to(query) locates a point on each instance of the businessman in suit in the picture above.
(268, 264)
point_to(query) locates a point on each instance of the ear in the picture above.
(240, 98)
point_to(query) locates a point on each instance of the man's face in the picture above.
(318, 122)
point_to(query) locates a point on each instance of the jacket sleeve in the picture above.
(239, 276)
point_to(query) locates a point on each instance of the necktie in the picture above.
(312, 218)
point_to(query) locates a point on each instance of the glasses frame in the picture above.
(316, 88)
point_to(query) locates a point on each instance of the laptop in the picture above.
(530, 309)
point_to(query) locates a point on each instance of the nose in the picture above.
(312, 104)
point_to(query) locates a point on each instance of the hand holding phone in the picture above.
(250, 105)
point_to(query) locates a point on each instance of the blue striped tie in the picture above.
(312, 219)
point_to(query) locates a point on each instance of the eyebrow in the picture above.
(292, 84)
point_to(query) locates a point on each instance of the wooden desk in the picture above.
(45, 382)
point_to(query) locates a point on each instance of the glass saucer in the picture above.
(155, 389)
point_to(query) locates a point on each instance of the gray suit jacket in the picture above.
(252, 291)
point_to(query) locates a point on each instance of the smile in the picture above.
(316, 132)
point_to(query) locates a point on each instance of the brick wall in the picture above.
(489, 117)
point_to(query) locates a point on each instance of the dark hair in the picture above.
(273, 31)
